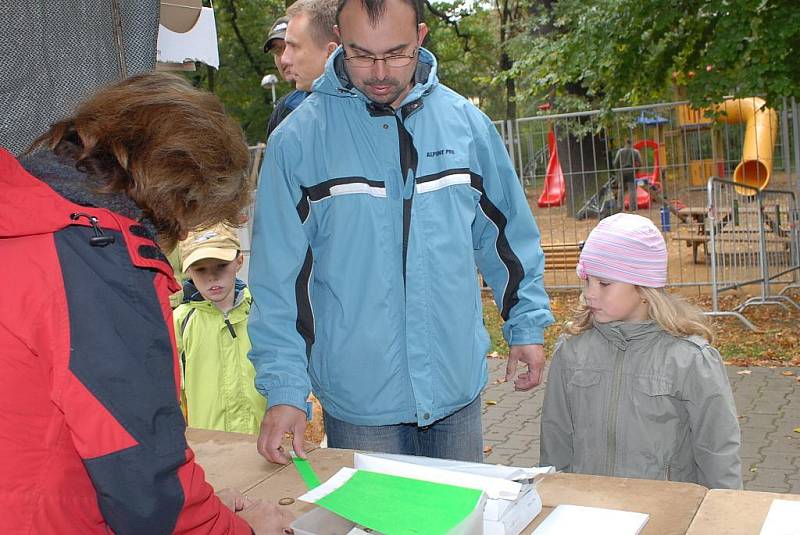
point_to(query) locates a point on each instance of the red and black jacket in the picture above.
(91, 434)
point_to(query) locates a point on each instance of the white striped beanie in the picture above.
(625, 248)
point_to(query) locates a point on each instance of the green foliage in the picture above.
(242, 27)
(627, 52)
(468, 64)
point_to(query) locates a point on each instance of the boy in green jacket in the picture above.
(218, 391)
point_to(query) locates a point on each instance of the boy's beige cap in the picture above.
(219, 242)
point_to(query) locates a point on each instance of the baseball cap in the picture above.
(277, 31)
(219, 241)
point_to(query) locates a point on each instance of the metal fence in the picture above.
(681, 148)
(246, 232)
(754, 239)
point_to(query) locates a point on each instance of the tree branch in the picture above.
(230, 7)
(444, 17)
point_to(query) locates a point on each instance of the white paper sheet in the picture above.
(783, 518)
(198, 44)
(577, 519)
(495, 481)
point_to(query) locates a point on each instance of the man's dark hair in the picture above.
(376, 8)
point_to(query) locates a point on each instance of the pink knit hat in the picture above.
(625, 248)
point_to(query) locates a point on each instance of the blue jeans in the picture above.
(458, 436)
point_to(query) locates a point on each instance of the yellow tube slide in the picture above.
(761, 129)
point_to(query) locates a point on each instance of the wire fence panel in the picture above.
(566, 166)
(246, 231)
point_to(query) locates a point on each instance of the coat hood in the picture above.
(43, 193)
(335, 81)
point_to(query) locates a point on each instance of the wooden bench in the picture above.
(695, 240)
(561, 256)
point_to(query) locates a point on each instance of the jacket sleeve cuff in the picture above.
(524, 336)
(286, 395)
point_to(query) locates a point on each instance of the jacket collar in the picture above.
(621, 333)
(335, 81)
(43, 200)
(193, 296)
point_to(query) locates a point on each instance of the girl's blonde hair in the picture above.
(673, 313)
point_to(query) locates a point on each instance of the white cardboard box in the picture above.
(510, 505)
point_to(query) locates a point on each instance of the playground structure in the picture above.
(555, 189)
(753, 169)
(681, 149)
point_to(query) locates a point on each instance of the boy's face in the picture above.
(614, 301)
(216, 280)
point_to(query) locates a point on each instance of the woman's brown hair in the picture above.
(170, 147)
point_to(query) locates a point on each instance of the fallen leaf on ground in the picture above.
(788, 373)
(491, 402)
(754, 469)
(487, 449)
(796, 429)
(744, 372)
(499, 380)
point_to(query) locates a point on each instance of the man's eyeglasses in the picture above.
(395, 60)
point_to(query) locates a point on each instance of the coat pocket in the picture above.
(588, 407)
(585, 378)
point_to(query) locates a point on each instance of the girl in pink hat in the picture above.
(636, 389)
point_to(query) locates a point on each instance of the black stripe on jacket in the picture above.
(322, 190)
(121, 351)
(507, 256)
(305, 314)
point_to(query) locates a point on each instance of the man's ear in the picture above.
(239, 262)
(330, 47)
(337, 32)
(422, 31)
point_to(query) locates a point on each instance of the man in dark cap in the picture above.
(308, 39)
(276, 43)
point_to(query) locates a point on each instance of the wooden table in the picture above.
(231, 460)
(671, 506)
(734, 512)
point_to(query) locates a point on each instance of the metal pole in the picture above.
(796, 132)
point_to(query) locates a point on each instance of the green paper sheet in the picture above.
(306, 472)
(398, 505)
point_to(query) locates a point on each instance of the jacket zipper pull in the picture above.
(230, 328)
(99, 239)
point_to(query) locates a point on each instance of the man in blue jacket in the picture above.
(378, 197)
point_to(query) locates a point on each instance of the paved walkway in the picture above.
(768, 404)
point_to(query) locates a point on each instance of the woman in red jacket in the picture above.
(91, 434)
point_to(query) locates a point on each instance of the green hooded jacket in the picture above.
(217, 377)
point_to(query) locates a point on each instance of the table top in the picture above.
(729, 512)
(231, 460)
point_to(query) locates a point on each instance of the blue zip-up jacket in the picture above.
(369, 224)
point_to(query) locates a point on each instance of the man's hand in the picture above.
(278, 420)
(533, 356)
(266, 518)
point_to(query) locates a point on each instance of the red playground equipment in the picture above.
(650, 178)
(555, 189)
